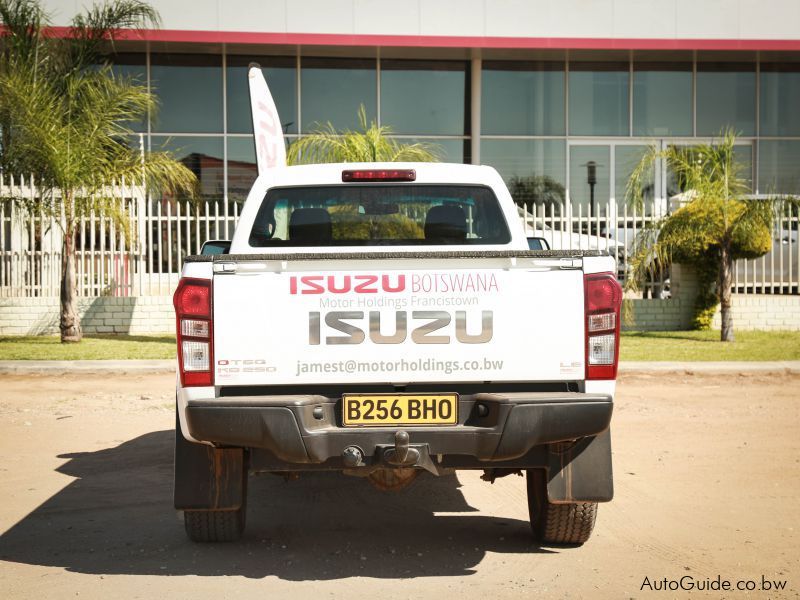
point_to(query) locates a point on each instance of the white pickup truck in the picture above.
(386, 318)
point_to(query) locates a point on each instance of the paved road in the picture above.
(707, 474)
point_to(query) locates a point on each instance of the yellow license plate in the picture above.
(386, 410)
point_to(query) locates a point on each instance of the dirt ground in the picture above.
(707, 476)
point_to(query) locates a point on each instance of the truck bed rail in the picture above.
(397, 255)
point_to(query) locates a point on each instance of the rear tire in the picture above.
(570, 523)
(214, 525)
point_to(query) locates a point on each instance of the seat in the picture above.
(310, 226)
(446, 224)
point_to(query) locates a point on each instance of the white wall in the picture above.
(679, 19)
(39, 316)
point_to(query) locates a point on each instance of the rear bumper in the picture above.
(493, 428)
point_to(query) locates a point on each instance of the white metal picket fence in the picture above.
(145, 260)
(144, 257)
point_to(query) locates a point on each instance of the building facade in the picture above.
(538, 89)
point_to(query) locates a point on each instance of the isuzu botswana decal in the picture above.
(415, 283)
(436, 320)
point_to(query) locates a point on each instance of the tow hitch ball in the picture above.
(401, 454)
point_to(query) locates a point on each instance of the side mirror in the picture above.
(537, 243)
(213, 247)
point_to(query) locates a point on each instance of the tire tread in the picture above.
(552, 523)
(569, 523)
(214, 525)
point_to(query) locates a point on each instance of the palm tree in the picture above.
(715, 227)
(66, 117)
(370, 144)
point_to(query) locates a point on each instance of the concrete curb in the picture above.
(778, 366)
(52, 367)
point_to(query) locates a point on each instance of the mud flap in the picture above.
(208, 478)
(581, 472)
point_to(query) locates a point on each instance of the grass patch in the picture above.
(95, 347)
(705, 346)
(635, 345)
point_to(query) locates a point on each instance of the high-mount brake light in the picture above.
(379, 175)
(603, 298)
(195, 331)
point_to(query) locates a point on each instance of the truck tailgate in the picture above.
(397, 321)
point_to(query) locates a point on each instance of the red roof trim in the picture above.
(442, 41)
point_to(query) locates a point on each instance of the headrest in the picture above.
(310, 225)
(446, 223)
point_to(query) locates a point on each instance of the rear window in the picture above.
(379, 215)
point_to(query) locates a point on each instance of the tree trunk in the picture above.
(725, 282)
(70, 320)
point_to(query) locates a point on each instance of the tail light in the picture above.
(602, 302)
(195, 331)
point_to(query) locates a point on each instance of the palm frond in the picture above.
(715, 211)
(647, 256)
(640, 177)
(94, 30)
(22, 22)
(369, 144)
(74, 131)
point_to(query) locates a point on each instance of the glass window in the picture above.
(598, 98)
(662, 98)
(743, 155)
(779, 166)
(589, 170)
(379, 215)
(333, 89)
(424, 97)
(448, 151)
(135, 67)
(189, 88)
(626, 158)
(780, 98)
(726, 97)
(242, 167)
(675, 185)
(535, 170)
(202, 154)
(281, 76)
(522, 98)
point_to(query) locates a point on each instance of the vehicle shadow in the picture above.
(116, 518)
